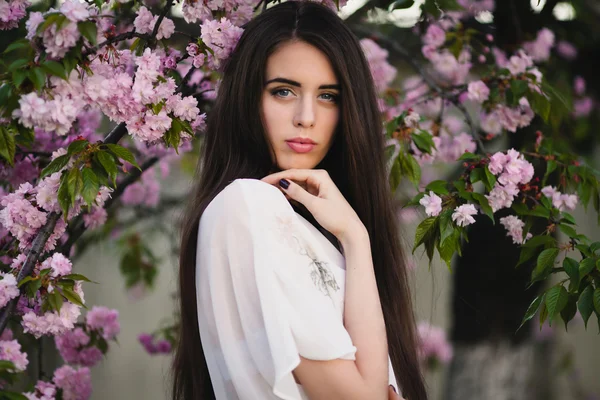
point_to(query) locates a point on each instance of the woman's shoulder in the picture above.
(244, 194)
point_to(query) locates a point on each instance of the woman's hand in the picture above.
(318, 193)
(392, 395)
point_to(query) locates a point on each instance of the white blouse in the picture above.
(270, 287)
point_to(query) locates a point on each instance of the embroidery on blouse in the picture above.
(320, 273)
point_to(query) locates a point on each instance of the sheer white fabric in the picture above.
(270, 287)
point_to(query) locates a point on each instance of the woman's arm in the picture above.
(367, 376)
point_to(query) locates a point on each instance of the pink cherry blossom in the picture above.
(383, 72)
(8, 288)
(432, 203)
(435, 36)
(10, 350)
(11, 12)
(579, 85)
(75, 10)
(104, 320)
(478, 92)
(433, 343)
(539, 49)
(221, 37)
(43, 391)
(566, 50)
(463, 215)
(59, 264)
(514, 227)
(75, 383)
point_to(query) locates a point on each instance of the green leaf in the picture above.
(109, 165)
(56, 165)
(423, 141)
(476, 175)
(490, 179)
(533, 308)
(64, 199)
(17, 44)
(54, 68)
(537, 241)
(77, 277)
(571, 267)
(539, 104)
(395, 175)
(586, 304)
(7, 145)
(556, 300)
(77, 146)
(586, 266)
(594, 246)
(73, 297)
(545, 262)
(468, 156)
(567, 230)
(518, 88)
(568, 219)
(597, 300)
(17, 64)
(91, 187)
(526, 254)
(25, 280)
(88, 30)
(485, 205)
(569, 311)
(75, 183)
(438, 187)
(56, 300)
(424, 231)
(539, 211)
(449, 247)
(38, 77)
(413, 170)
(123, 154)
(19, 77)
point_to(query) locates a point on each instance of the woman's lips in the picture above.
(301, 147)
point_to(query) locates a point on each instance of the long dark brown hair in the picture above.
(235, 146)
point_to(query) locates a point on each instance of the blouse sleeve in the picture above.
(282, 296)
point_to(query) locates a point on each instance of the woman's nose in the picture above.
(305, 113)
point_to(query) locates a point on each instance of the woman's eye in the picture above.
(330, 97)
(281, 92)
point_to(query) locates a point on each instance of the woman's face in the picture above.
(300, 100)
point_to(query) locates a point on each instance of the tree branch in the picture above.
(402, 52)
(37, 248)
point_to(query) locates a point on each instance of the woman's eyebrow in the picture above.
(297, 84)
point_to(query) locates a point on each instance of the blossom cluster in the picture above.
(512, 170)
(58, 41)
(75, 384)
(433, 344)
(382, 71)
(11, 12)
(560, 200)
(154, 346)
(10, 350)
(514, 227)
(76, 347)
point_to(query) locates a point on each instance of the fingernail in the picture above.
(284, 184)
(394, 389)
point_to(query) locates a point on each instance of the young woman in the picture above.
(292, 281)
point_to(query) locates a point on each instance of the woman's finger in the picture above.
(297, 192)
(392, 395)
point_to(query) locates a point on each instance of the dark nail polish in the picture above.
(284, 184)
(394, 389)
